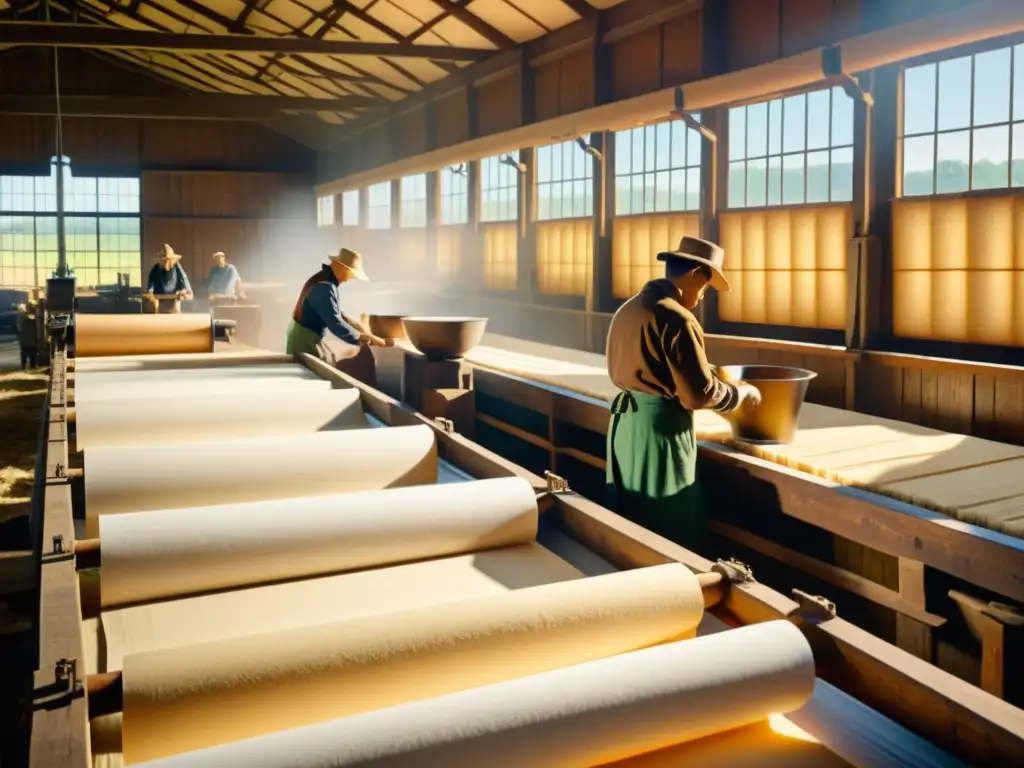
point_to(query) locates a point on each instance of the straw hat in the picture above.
(352, 261)
(168, 253)
(218, 254)
(702, 252)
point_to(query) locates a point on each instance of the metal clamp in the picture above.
(445, 424)
(59, 471)
(832, 69)
(734, 571)
(556, 484)
(691, 122)
(813, 608)
(66, 670)
(58, 544)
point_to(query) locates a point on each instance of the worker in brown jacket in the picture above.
(656, 358)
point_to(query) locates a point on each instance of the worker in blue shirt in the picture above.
(318, 310)
(224, 281)
(167, 284)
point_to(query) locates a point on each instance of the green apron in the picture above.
(302, 341)
(652, 467)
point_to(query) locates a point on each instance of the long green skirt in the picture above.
(652, 468)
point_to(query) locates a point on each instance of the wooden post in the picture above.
(999, 628)
(599, 293)
(912, 635)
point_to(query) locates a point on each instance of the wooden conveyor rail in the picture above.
(949, 712)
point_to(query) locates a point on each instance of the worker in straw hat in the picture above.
(656, 358)
(318, 310)
(167, 284)
(224, 282)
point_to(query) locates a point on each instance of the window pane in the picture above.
(819, 108)
(919, 99)
(737, 133)
(818, 183)
(794, 123)
(955, 93)
(990, 158)
(952, 162)
(793, 179)
(756, 177)
(1017, 164)
(919, 165)
(1018, 82)
(757, 130)
(992, 88)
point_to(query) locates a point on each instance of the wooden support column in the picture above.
(472, 241)
(714, 156)
(599, 295)
(913, 636)
(433, 221)
(526, 240)
(364, 208)
(886, 163)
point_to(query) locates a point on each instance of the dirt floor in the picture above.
(21, 402)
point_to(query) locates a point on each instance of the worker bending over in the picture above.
(318, 310)
(224, 281)
(656, 358)
(28, 331)
(167, 284)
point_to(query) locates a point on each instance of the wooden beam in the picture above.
(198, 107)
(582, 8)
(475, 23)
(14, 33)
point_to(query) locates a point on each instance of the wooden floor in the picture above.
(975, 480)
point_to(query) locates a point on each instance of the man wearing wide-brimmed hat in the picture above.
(167, 284)
(224, 281)
(318, 309)
(656, 358)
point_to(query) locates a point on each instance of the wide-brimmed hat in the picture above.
(218, 254)
(168, 253)
(701, 252)
(352, 261)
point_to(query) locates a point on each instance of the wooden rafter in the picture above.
(582, 8)
(474, 22)
(93, 36)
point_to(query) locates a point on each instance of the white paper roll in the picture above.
(199, 696)
(90, 385)
(577, 717)
(136, 478)
(130, 421)
(168, 390)
(151, 555)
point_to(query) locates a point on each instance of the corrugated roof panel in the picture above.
(506, 19)
(378, 68)
(396, 17)
(307, 86)
(294, 14)
(454, 32)
(424, 69)
(265, 25)
(363, 31)
(171, 23)
(191, 20)
(553, 14)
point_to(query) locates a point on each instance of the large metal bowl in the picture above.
(444, 338)
(387, 326)
(775, 419)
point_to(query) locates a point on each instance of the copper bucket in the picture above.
(775, 419)
(445, 338)
(387, 326)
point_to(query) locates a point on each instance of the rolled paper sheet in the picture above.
(151, 555)
(199, 696)
(117, 335)
(302, 603)
(135, 478)
(586, 715)
(240, 386)
(108, 384)
(170, 362)
(130, 421)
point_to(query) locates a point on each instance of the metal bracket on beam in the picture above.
(446, 425)
(594, 152)
(66, 671)
(507, 160)
(832, 69)
(556, 484)
(734, 571)
(813, 608)
(680, 113)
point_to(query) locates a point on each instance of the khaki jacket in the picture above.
(656, 346)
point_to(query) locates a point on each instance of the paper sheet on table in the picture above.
(109, 335)
(169, 362)
(199, 696)
(586, 715)
(165, 553)
(134, 478)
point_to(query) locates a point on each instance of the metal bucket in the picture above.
(444, 338)
(387, 326)
(775, 419)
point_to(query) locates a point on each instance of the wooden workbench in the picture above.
(974, 480)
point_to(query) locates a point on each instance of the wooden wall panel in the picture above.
(452, 118)
(564, 85)
(25, 139)
(498, 105)
(682, 49)
(222, 145)
(753, 32)
(82, 73)
(109, 142)
(636, 64)
(409, 132)
(219, 194)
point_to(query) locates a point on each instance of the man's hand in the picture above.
(749, 394)
(373, 341)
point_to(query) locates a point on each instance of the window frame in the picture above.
(325, 214)
(371, 207)
(347, 197)
(587, 180)
(511, 190)
(404, 202)
(651, 129)
(453, 199)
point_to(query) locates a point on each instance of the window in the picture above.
(499, 190)
(378, 206)
(657, 169)
(792, 151)
(101, 228)
(565, 176)
(350, 208)
(454, 195)
(963, 124)
(325, 211)
(413, 210)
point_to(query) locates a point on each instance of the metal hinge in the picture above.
(66, 670)
(58, 470)
(733, 570)
(814, 608)
(58, 544)
(445, 424)
(556, 484)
